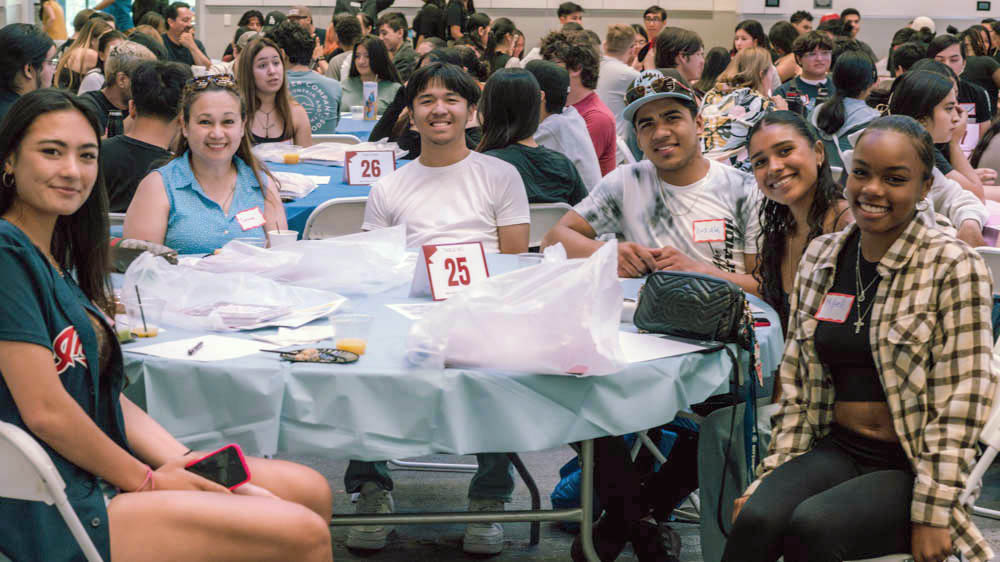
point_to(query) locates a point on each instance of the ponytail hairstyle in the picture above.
(777, 221)
(754, 29)
(476, 22)
(921, 140)
(501, 28)
(509, 108)
(852, 75)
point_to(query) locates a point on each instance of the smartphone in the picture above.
(225, 466)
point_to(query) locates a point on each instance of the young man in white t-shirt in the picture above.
(677, 210)
(449, 194)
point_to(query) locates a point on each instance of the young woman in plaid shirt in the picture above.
(886, 380)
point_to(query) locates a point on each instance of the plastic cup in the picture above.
(350, 331)
(144, 321)
(357, 112)
(282, 237)
(529, 259)
(291, 158)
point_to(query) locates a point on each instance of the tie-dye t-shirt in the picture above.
(714, 220)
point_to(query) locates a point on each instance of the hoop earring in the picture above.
(923, 206)
(7, 179)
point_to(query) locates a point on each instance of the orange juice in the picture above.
(357, 345)
(292, 158)
(149, 331)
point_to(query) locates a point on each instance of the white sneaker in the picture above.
(373, 500)
(483, 538)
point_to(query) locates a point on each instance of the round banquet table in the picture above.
(355, 127)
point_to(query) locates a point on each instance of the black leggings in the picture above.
(847, 498)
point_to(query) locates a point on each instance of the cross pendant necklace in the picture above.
(861, 289)
(858, 325)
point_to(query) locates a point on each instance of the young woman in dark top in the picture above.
(477, 32)
(261, 78)
(801, 200)
(886, 380)
(509, 111)
(500, 43)
(457, 17)
(980, 68)
(124, 472)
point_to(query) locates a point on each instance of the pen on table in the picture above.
(196, 347)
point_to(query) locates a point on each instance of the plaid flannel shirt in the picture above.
(931, 341)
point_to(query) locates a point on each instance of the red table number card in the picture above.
(365, 167)
(445, 269)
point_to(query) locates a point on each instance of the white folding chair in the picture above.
(543, 217)
(27, 473)
(116, 219)
(992, 258)
(341, 138)
(336, 217)
(623, 154)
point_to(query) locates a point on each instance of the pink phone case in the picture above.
(239, 453)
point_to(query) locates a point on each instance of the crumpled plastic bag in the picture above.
(197, 299)
(357, 264)
(558, 317)
(294, 186)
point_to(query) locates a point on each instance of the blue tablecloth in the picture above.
(297, 212)
(381, 407)
(356, 127)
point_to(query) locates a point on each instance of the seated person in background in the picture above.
(126, 159)
(214, 190)
(251, 20)
(117, 90)
(273, 115)
(846, 113)
(150, 38)
(947, 49)
(26, 55)
(738, 100)
(902, 59)
(782, 37)
(370, 63)
(317, 94)
(928, 94)
(980, 68)
(93, 79)
(392, 31)
(615, 75)
(429, 44)
(240, 47)
(124, 473)
(682, 50)
(560, 127)
(574, 52)
(653, 20)
(81, 56)
(716, 62)
(987, 155)
(179, 39)
(449, 194)
(510, 112)
(813, 52)
(653, 204)
(348, 30)
(878, 426)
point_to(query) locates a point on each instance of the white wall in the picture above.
(714, 20)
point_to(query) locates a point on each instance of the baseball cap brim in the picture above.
(631, 108)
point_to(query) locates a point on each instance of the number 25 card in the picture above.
(445, 269)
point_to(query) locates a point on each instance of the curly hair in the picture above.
(576, 52)
(776, 220)
(294, 40)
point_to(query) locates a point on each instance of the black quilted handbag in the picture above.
(696, 307)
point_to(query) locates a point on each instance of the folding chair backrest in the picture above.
(337, 138)
(543, 217)
(27, 473)
(990, 435)
(992, 257)
(336, 217)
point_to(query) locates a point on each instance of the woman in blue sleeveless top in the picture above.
(215, 190)
(61, 380)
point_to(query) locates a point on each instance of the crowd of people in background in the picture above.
(827, 167)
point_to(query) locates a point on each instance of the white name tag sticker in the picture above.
(250, 218)
(710, 230)
(835, 307)
(446, 269)
(366, 167)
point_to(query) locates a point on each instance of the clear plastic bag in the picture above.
(357, 264)
(560, 317)
(197, 299)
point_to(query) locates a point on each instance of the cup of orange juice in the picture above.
(350, 331)
(144, 319)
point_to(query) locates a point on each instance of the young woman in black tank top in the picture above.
(273, 115)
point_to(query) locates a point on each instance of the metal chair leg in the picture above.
(536, 500)
(432, 466)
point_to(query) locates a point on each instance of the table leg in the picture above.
(587, 499)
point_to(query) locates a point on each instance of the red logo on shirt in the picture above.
(67, 350)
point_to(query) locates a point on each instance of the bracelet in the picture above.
(149, 478)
